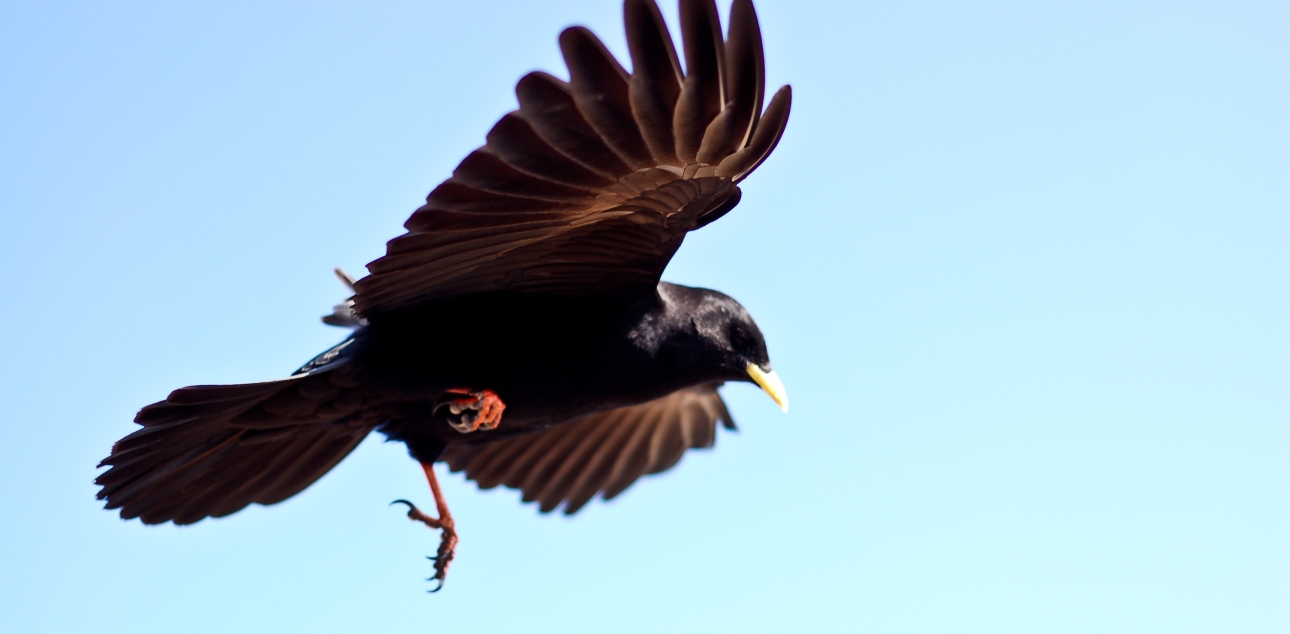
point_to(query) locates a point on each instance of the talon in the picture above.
(448, 535)
(477, 410)
(415, 513)
(436, 588)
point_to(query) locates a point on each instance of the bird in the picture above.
(519, 331)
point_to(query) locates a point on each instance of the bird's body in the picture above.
(552, 359)
(519, 330)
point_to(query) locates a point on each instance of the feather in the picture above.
(647, 155)
(212, 450)
(601, 453)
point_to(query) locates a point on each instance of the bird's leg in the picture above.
(478, 409)
(448, 540)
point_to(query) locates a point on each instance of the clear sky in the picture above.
(1024, 268)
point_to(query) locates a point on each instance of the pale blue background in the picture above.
(1023, 267)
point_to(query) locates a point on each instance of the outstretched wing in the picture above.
(602, 453)
(593, 183)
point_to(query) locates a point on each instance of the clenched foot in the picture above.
(475, 410)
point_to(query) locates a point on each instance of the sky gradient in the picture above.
(1023, 269)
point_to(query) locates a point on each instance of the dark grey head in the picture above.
(712, 335)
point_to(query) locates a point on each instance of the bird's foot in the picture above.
(476, 410)
(447, 541)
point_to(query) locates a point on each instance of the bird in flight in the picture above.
(519, 331)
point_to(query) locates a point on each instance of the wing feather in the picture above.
(745, 81)
(549, 107)
(600, 90)
(603, 453)
(655, 84)
(593, 183)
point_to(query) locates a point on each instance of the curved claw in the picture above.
(444, 523)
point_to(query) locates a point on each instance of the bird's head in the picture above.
(722, 337)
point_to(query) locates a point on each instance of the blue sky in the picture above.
(1022, 266)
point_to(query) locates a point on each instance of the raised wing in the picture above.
(602, 453)
(593, 183)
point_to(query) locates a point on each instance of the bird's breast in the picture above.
(550, 360)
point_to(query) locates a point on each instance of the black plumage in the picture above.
(528, 281)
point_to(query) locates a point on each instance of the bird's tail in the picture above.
(211, 450)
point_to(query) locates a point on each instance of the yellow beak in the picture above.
(769, 381)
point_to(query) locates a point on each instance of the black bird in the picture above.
(519, 330)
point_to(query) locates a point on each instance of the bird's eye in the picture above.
(740, 338)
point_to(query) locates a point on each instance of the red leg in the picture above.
(448, 540)
(478, 409)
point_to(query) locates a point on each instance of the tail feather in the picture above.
(212, 450)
